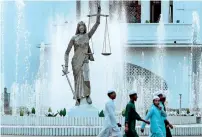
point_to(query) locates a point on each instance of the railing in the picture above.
(78, 121)
(81, 126)
(51, 121)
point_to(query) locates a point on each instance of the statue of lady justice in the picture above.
(80, 60)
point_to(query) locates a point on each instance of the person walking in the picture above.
(167, 123)
(131, 116)
(155, 114)
(111, 127)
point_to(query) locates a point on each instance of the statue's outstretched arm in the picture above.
(68, 51)
(95, 26)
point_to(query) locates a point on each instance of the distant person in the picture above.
(167, 124)
(155, 115)
(131, 116)
(111, 127)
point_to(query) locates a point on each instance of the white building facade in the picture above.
(166, 50)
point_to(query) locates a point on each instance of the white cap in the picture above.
(156, 97)
(163, 94)
(110, 91)
(158, 93)
(132, 92)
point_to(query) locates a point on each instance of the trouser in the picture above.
(106, 132)
(157, 135)
(132, 133)
(117, 134)
(168, 133)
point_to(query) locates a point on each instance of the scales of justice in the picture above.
(83, 53)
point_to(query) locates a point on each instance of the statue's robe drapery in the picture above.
(80, 64)
(80, 61)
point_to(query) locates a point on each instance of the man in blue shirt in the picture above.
(155, 114)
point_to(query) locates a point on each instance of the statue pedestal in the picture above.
(83, 110)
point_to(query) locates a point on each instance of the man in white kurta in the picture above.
(110, 127)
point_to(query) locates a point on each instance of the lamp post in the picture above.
(180, 103)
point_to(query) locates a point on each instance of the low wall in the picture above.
(188, 130)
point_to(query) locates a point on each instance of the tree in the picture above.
(61, 113)
(188, 111)
(101, 114)
(21, 113)
(49, 110)
(64, 112)
(178, 111)
(33, 111)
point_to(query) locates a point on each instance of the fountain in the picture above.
(196, 65)
(161, 51)
(145, 82)
(2, 57)
(42, 84)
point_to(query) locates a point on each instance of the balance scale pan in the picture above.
(92, 15)
(106, 54)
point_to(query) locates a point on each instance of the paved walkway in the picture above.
(80, 136)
